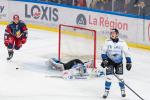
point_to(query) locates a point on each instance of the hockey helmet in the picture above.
(114, 30)
(114, 34)
(15, 17)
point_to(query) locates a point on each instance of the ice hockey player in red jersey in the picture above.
(15, 35)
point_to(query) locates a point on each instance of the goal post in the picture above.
(75, 42)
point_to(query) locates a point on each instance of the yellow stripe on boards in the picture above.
(40, 27)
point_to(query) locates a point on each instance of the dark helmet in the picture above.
(15, 16)
(114, 30)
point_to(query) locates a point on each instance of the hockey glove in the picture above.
(6, 42)
(23, 40)
(128, 66)
(104, 63)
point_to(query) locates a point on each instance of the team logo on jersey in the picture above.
(109, 47)
(18, 34)
(81, 20)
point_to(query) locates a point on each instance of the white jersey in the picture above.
(115, 50)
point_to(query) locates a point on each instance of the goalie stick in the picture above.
(75, 76)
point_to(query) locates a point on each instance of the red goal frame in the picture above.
(77, 27)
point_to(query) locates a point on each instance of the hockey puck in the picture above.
(17, 68)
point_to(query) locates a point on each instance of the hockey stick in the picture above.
(75, 76)
(128, 87)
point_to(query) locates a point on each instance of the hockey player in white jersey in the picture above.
(112, 60)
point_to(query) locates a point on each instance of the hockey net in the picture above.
(76, 42)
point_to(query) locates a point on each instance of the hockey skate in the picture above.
(10, 55)
(123, 94)
(106, 94)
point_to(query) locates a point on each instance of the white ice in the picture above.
(30, 81)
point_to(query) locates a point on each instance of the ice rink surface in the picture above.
(30, 81)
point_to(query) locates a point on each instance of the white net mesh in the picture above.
(77, 43)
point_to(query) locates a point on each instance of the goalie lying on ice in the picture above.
(73, 67)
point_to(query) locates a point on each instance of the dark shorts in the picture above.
(113, 67)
